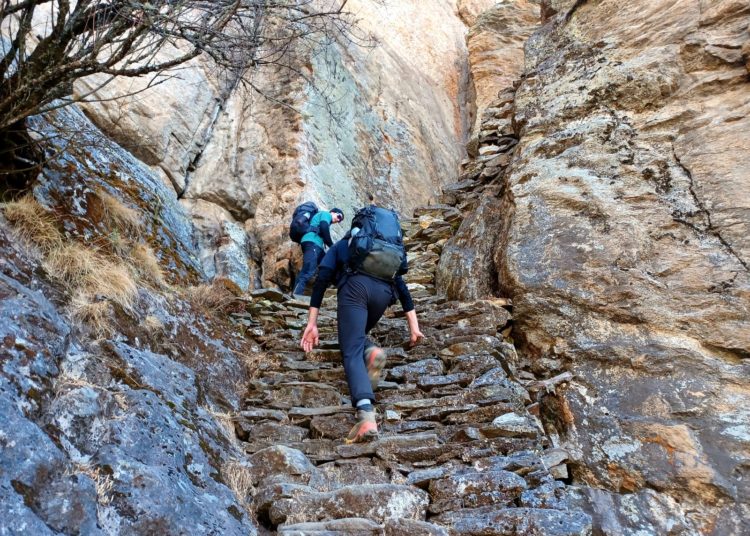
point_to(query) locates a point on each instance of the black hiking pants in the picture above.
(362, 300)
(311, 257)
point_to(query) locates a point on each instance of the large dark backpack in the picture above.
(300, 225)
(377, 249)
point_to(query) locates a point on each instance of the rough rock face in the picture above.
(625, 248)
(495, 41)
(118, 433)
(165, 126)
(388, 119)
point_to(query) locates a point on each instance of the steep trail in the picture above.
(461, 449)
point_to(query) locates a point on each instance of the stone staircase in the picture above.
(461, 449)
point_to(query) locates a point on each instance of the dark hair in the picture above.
(339, 211)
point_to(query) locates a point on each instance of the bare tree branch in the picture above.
(40, 62)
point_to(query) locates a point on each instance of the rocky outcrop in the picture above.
(386, 116)
(495, 41)
(623, 244)
(163, 120)
(496, 38)
(112, 411)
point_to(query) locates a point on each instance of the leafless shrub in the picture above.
(47, 45)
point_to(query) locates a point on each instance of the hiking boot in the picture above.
(375, 358)
(366, 428)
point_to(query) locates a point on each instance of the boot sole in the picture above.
(369, 435)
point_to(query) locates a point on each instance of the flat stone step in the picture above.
(321, 410)
(376, 502)
(387, 444)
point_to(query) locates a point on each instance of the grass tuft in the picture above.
(147, 265)
(116, 215)
(238, 478)
(33, 223)
(153, 324)
(86, 272)
(217, 297)
(97, 315)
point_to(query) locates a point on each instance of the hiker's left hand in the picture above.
(310, 337)
(416, 337)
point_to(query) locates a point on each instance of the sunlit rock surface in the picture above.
(386, 116)
(626, 254)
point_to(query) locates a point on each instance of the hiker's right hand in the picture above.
(310, 337)
(415, 337)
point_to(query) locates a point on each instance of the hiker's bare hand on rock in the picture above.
(310, 338)
(415, 338)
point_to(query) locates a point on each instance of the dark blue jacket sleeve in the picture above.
(324, 230)
(326, 276)
(404, 296)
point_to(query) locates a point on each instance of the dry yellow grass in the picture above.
(118, 216)
(153, 324)
(85, 272)
(96, 315)
(238, 478)
(147, 265)
(212, 298)
(33, 223)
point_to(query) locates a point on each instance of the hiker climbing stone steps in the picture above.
(460, 447)
(310, 228)
(366, 266)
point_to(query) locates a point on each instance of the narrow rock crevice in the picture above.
(710, 228)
